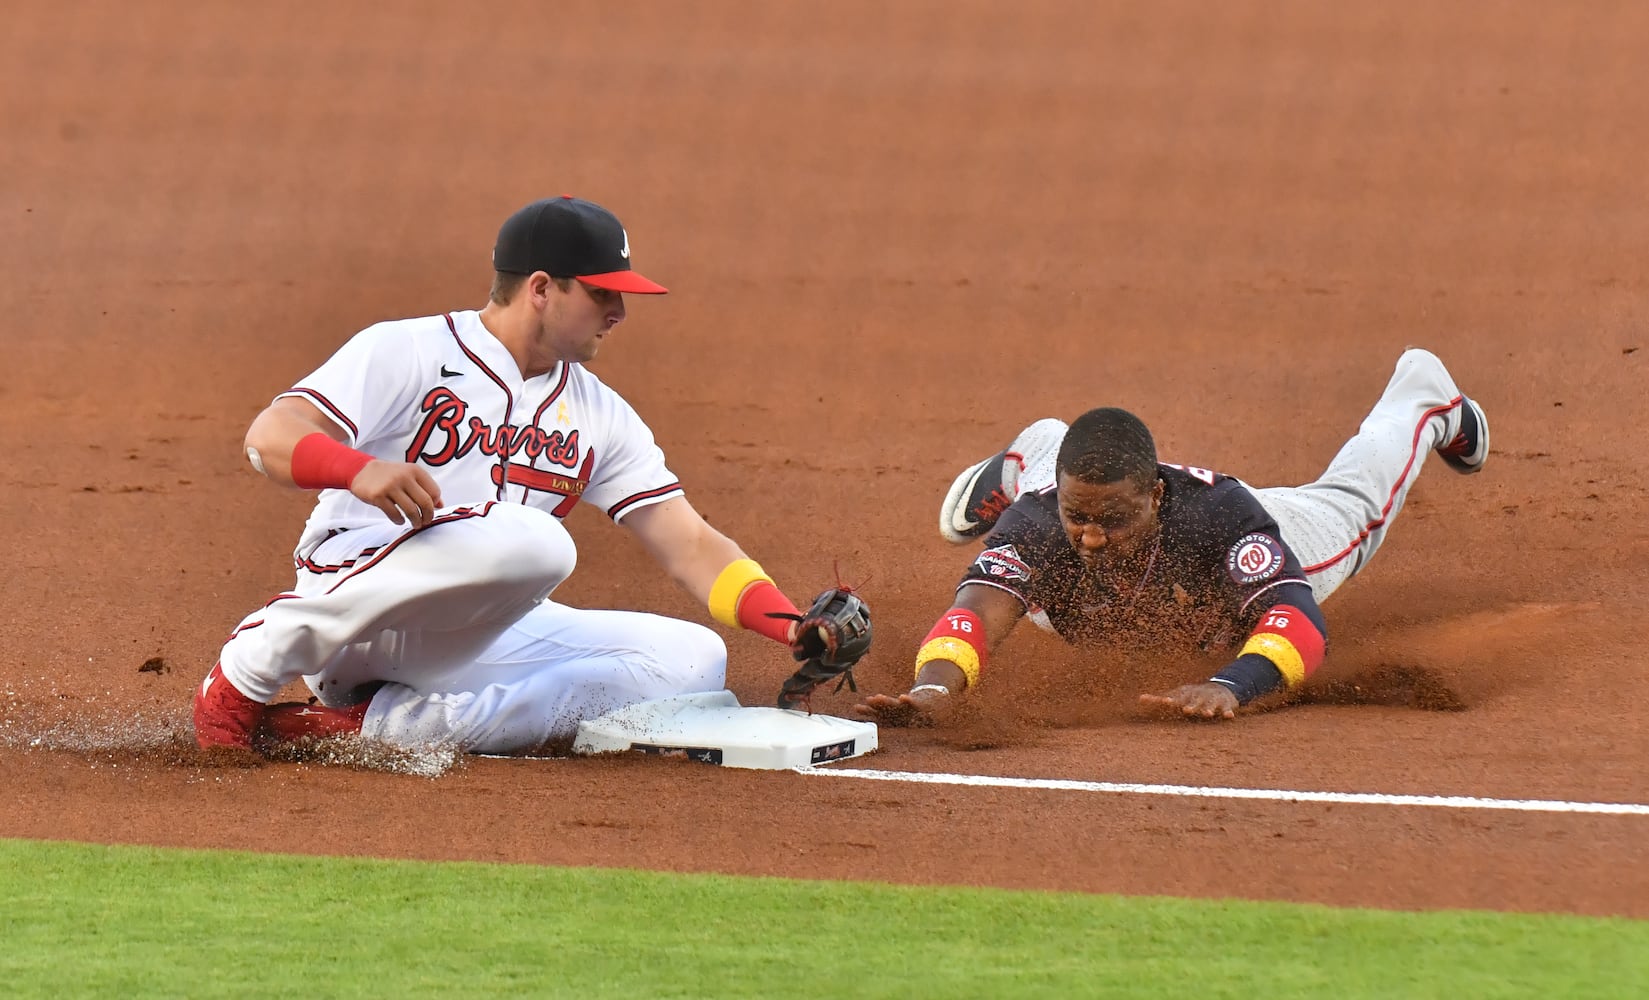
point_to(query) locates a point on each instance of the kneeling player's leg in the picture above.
(551, 670)
(1336, 524)
(387, 604)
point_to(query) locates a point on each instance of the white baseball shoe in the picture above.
(979, 495)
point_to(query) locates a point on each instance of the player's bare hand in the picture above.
(1206, 700)
(913, 708)
(404, 492)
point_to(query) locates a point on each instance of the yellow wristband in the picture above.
(1281, 653)
(730, 586)
(946, 647)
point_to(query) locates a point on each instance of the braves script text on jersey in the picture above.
(443, 393)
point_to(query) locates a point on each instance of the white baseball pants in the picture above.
(451, 627)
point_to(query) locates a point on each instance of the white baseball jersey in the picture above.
(442, 392)
(447, 628)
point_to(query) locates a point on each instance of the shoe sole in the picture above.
(1037, 448)
(1468, 465)
(954, 523)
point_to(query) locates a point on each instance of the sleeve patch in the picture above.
(1255, 557)
(1003, 563)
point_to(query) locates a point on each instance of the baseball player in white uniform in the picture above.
(447, 450)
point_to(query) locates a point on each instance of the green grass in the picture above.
(80, 920)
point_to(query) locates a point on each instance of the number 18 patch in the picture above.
(1255, 557)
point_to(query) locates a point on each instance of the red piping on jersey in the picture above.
(326, 404)
(1414, 451)
(555, 393)
(458, 514)
(618, 508)
(315, 567)
(998, 586)
(509, 397)
(564, 484)
(1270, 586)
(564, 508)
(537, 479)
(251, 625)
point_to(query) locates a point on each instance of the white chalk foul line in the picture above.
(1268, 794)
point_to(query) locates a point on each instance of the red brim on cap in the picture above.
(624, 281)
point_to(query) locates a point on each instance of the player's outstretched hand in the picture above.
(404, 492)
(914, 708)
(1206, 700)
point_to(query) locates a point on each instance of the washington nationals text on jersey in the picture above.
(1218, 563)
(443, 393)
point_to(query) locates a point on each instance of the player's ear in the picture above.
(538, 287)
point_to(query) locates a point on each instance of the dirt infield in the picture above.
(919, 225)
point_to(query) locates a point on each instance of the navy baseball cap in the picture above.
(569, 237)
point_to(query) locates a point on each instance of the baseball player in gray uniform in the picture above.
(447, 450)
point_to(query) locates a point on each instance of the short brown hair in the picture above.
(505, 285)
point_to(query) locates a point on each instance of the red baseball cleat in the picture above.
(296, 720)
(223, 716)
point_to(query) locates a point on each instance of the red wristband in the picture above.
(958, 636)
(1290, 640)
(757, 601)
(960, 623)
(320, 463)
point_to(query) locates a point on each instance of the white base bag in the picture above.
(712, 727)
